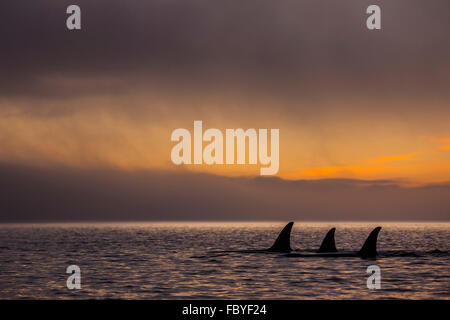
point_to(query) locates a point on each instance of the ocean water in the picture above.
(186, 260)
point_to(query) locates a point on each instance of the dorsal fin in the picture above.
(283, 242)
(328, 244)
(369, 248)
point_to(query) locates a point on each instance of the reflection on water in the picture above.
(175, 260)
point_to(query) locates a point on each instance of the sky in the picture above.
(351, 104)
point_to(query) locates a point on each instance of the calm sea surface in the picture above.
(184, 260)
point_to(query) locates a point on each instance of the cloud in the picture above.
(444, 143)
(68, 194)
(289, 46)
(110, 94)
(401, 157)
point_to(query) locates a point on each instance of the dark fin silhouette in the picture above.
(369, 248)
(283, 242)
(328, 244)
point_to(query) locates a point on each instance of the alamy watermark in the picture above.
(374, 280)
(73, 21)
(215, 153)
(74, 280)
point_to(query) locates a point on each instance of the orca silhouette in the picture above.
(327, 249)
(328, 244)
(281, 244)
(368, 250)
(283, 241)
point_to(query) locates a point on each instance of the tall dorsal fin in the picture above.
(283, 242)
(369, 248)
(328, 244)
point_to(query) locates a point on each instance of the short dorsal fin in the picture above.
(369, 248)
(328, 244)
(283, 242)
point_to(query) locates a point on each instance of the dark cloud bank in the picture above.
(67, 194)
(283, 43)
